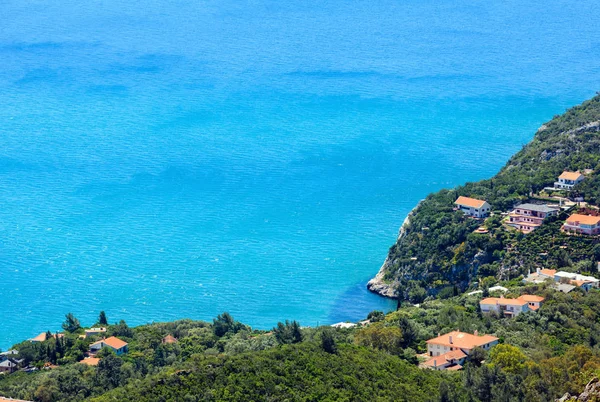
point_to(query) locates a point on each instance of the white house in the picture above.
(582, 281)
(116, 344)
(511, 307)
(449, 351)
(473, 207)
(567, 180)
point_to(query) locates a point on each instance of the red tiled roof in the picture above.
(531, 298)
(503, 300)
(548, 272)
(462, 340)
(469, 202)
(113, 342)
(570, 175)
(577, 219)
(446, 357)
(169, 339)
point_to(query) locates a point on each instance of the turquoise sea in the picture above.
(171, 159)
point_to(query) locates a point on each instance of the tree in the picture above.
(109, 372)
(288, 333)
(122, 329)
(224, 323)
(379, 337)
(409, 333)
(509, 358)
(375, 316)
(71, 323)
(102, 318)
(328, 341)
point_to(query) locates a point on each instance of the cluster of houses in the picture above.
(528, 217)
(564, 281)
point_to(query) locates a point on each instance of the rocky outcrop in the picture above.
(591, 393)
(378, 284)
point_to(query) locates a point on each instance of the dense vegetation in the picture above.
(439, 249)
(542, 355)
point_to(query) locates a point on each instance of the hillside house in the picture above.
(116, 344)
(473, 207)
(8, 366)
(511, 307)
(567, 180)
(94, 331)
(540, 276)
(528, 217)
(449, 351)
(582, 281)
(582, 224)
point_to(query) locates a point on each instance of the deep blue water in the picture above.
(162, 160)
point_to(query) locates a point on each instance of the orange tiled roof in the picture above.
(576, 219)
(462, 340)
(531, 298)
(169, 339)
(469, 202)
(570, 175)
(446, 357)
(40, 338)
(90, 361)
(534, 308)
(548, 272)
(113, 342)
(503, 300)
(455, 367)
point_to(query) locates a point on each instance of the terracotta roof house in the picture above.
(567, 180)
(114, 343)
(540, 276)
(473, 207)
(169, 339)
(582, 224)
(448, 349)
(528, 217)
(511, 307)
(448, 361)
(95, 331)
(90, 361)
(582, 281)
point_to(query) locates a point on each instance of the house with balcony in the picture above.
(510, 307)
(567, 180)
(582, 224)
(528, 217)
(473, 207)
(449, 351)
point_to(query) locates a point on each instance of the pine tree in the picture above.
(102, 318)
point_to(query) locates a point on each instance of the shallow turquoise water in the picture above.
(162, 160)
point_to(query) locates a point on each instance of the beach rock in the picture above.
(591, 393)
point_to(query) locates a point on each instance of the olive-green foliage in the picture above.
(439, 247)
(299, 372)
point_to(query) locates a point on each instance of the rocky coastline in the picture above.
(378, 285)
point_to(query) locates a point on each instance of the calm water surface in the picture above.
(161, 160)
